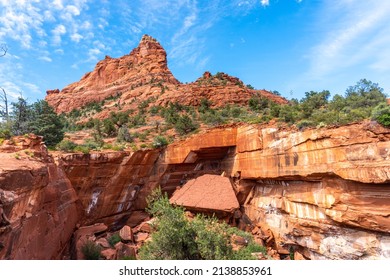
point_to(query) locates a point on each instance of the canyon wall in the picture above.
(39, 207)
(324, 193)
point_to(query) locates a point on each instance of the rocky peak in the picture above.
(149, 55)
(144, 75)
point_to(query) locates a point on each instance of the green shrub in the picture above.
(109, 128)
(81, 148)
(381, 114)
(160, 141)
(91, 251)
(118, 147)
(213, 117)
(124, 135)
(154, 110)
(5, 133)
(107, 146)
(176, 237)
(66, 146)
(204, 106)
(185, 125)
(134, 147)
(304, 124)
(113, 239)
(92, 144)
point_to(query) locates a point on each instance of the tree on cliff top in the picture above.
(47, 123)
(38, 118)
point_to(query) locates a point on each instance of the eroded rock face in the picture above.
(111, 185)
(38, 204)
(144, 75)
(327, 219)
(358, 152)
(320, 193)
(323, 193)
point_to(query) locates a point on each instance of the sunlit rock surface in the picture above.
(320, 193)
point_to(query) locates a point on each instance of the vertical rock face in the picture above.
(111, 185)
(324, 193)
(38, 204)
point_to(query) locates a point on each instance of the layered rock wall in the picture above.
(111, 185)
(324, 193)
(38, 205)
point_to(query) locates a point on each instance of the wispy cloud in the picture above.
(10, 71)
(58, 31)
(23, 20)
(45, 58)
(358, 29)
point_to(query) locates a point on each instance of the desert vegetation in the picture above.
(178, 237)
(155, 126)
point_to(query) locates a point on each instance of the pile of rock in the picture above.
(122, 244)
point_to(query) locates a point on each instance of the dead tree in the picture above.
(4, 106)
(3, 49)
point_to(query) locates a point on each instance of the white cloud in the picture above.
(355, 36)
(58, 31)
(19, 21)
(76, 37)
(86, 25)
(73, 10)
(45, 58)
(59, 51)
(93, 54)
(264, 2)
(58, 4)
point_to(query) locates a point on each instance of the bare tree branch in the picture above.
(4, 99)
(3, 49)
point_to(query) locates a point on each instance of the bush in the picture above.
(118, 147)
(91, 251)
(381, 114)
(5, 133)
(185, 125)
(304, 124)
(109, 128)
(212, 117)
(124, 135)
(66, 146)
(175, 237)
(92, 144)
(113, 239)
(159, 141)
(81, 148)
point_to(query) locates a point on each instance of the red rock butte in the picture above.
(143, 74)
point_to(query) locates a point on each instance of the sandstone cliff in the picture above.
(144, 75)
(323, 193)
(38, 204)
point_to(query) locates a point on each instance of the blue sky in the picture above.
(291, 46)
